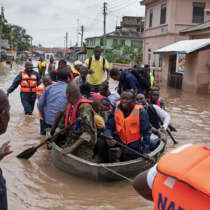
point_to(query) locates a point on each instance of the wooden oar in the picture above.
(125, 147)
(29, 152)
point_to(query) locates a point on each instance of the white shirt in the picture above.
(113, 97)
(164, 115)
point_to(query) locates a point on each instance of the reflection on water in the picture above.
(38, 184)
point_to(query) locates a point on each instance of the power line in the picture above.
(124, 6)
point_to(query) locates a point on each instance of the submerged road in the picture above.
(37, 184)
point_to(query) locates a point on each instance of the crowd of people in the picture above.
(131, 116)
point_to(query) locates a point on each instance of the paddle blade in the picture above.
(172, 128)
(27, 153)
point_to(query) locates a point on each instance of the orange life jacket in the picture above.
(39, 92)
(182, 181)
(28, 83)
(128, 129)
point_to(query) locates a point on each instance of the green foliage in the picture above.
(16, 35)
(123, 60)
(125, 54)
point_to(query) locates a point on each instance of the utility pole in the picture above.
(66, 38)
(2, 11)
(78, 31)
(82, 28)
(104, 13)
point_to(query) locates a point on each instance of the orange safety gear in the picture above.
(39, 92)
(28, 83)
(182, 181)
(128, 129)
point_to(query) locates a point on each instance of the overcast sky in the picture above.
(47, 21)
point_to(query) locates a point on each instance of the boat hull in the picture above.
(94, 171)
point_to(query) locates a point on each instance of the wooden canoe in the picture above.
(95, 171)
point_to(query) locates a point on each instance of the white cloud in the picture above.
(48, 20)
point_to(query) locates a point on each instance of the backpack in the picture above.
(90, 61)
(141, 75)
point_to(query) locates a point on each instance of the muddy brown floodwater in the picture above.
(37, 184)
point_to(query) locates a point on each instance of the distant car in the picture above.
(3, 55)
(10, 58)
(48, 56)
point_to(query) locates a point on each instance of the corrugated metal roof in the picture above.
(199, 27)
(186, 46)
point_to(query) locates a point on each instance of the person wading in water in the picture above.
(28, 79)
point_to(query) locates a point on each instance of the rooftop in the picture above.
(199, 27)
(145, 2)
(186, 46)
(124, 32)
(46, 49)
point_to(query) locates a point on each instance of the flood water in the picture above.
(37, 184)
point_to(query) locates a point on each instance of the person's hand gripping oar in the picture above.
(29, 152)
(145, 157)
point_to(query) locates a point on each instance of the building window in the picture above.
(115, 41)
(87, 42)
(207, 12)
(149, 55)
(138, 29)
(101, 42)
(94, 42)
(135, 43)
(160, 60)
(122, 42)
(198, 12)
(150, 18)
(163, 14)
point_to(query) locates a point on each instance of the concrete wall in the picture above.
(196, 73)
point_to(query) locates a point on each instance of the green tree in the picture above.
(125, 54)
(16, 35)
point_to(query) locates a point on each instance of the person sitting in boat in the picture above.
(105, 108)
(81, 138)
(155, 113)
(127, 123)
(147, 93)
(98, 119)
(85, 91)
(112, 96)
(159, 101)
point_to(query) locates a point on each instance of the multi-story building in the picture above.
(164, 19)
(124, 36)
(132, 23)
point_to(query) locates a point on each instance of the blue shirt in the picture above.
(129, 82)
(145, 130)
(17, 81)
(52, 100)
